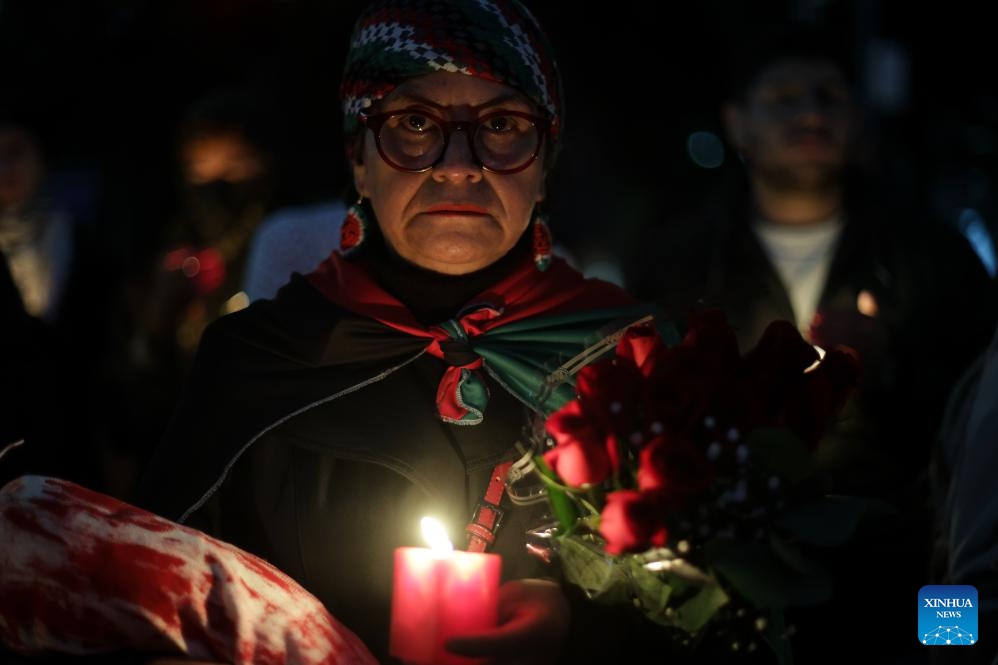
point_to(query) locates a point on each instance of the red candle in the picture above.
(439, 593)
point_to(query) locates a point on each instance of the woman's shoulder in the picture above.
(301, 328)
(298, 315)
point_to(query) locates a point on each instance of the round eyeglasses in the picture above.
(414, 141)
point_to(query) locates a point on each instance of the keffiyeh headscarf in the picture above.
(497, 40)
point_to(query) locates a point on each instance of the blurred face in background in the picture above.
(226, 156)
(20, 167)
(796, 125)
(456, 217)
(226, 180)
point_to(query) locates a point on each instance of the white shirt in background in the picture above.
(38, 246)
(802, 255)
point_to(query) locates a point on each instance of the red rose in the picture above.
(632, 522)
(609, 393)
(781, 356)
(765, 380)
(640, 346)
(714, 340)
(824, 392)
(675, 467)
(679, 392)
(174, 259)
(205, 268)
(211, 270)
(685, 379)
(582, 454)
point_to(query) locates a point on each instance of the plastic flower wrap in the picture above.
(676, 477)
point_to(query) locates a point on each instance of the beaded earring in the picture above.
(541, 241)
(354, 229)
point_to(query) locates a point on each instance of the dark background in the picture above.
(106, 81)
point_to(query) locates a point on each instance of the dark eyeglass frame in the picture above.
(376, 121)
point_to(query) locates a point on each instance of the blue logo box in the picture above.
(947, 615)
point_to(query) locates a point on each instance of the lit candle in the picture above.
(439, 593)
(821, 355)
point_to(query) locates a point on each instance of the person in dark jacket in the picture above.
(31, 439)
(801, 234)
(395, 380)
(965, 502)
(16, 337)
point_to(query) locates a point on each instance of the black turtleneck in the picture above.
(434, 297)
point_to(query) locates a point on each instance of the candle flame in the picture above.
(821, 354)
(435, 535)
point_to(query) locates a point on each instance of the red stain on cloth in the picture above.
(84, 573)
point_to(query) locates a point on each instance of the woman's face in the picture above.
(455, 218)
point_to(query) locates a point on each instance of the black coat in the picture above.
(309, 436)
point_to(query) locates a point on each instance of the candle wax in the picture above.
(437, 595)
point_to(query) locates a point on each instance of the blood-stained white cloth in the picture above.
(84, 573)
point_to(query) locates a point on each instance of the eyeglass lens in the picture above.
(499, 142)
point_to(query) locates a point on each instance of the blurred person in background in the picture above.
(225, 155)
(802, 234)
(225, 158)
(36, 233)
(24, 441)
(49, 337)
(966, 504)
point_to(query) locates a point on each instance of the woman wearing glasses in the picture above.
(396, 379)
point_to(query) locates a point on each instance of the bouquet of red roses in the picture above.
(677, 476)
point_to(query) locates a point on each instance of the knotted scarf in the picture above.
(530, 331)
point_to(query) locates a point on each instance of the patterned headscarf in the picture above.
(498, 40)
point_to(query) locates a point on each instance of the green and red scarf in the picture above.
(530, 332)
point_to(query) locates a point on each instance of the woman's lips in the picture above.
(456, 209)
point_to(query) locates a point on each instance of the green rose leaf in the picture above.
(594, 571)
(777, 452)
(765, 579)
(694, 614)
(561, 504)
(791, 556)
(652, 591)
(775, 636)
(829, 521)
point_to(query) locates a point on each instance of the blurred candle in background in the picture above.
(439, 593)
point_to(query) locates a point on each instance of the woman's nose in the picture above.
(458, 163)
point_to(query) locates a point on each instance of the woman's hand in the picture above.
(533, 622)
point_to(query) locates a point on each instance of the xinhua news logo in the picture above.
(947, 615)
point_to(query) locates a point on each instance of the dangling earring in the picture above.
(354, 229)
(542, 241)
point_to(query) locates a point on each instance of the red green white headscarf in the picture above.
(497, 40)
